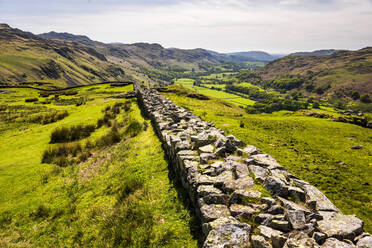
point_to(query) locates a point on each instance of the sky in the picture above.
(281, 26)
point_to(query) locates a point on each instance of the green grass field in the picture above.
(120, 196)
(231, 98)
(317, 150)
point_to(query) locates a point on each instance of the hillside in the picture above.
(68, 37)
(143, 54)
(25, 57)
(343, 74)
(63, 59)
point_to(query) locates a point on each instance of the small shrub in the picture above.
(41, 212)
(31, 99)
(73, 133)
(89, 144)
(355, 95)
(134, 128)
(59, 154)
(84, 156)
(69, 93)
(129, 186)
(316, 105)
(46, 118)
(116, 108)
(77, 101)
(5, 218)
(100, 123)
(127, 106)
(365, 98)
(110, 138)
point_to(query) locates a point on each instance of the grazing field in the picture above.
(110, 188)
(317, 150)
(236, 100)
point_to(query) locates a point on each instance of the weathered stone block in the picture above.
(204, 190)
(245, 197)
(241, 211)
(229, 235)
(213, 211)
(276, 186)
(341, 227)
(259, 242)
(334, 243)
(296, 218)
(206, 149)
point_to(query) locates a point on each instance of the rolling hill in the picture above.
(25, 57)
(154, 55)
(254, 56)
(342, 74)
(316, 52)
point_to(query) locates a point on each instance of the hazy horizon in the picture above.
(277, 27)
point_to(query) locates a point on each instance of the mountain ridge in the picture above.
(253, 56)
(322, 52)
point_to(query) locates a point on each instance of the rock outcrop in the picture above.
(244, 198)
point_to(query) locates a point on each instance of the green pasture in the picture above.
(121, 196)
(236, 100)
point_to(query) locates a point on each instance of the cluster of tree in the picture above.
(248, 76)
(282, 84)
(253, 92)
(277, 104)
(355, 95)
(158, 75)
(267, 102)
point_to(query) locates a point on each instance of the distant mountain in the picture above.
(323, 52)
(62, 59)
(155, 55)
(141, 53)
(254, 56)
(68, 37)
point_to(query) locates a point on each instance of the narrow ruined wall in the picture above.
(245, 198)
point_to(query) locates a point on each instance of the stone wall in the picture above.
(245, 198)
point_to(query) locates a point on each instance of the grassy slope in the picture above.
(316, 150)
(237, 100)
(349, 70)
(24, 55)
(121, 196)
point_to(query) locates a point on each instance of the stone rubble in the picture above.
(227, 182)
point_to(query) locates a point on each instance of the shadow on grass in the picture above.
(183, 196)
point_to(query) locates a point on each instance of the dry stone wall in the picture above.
(226, 181)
